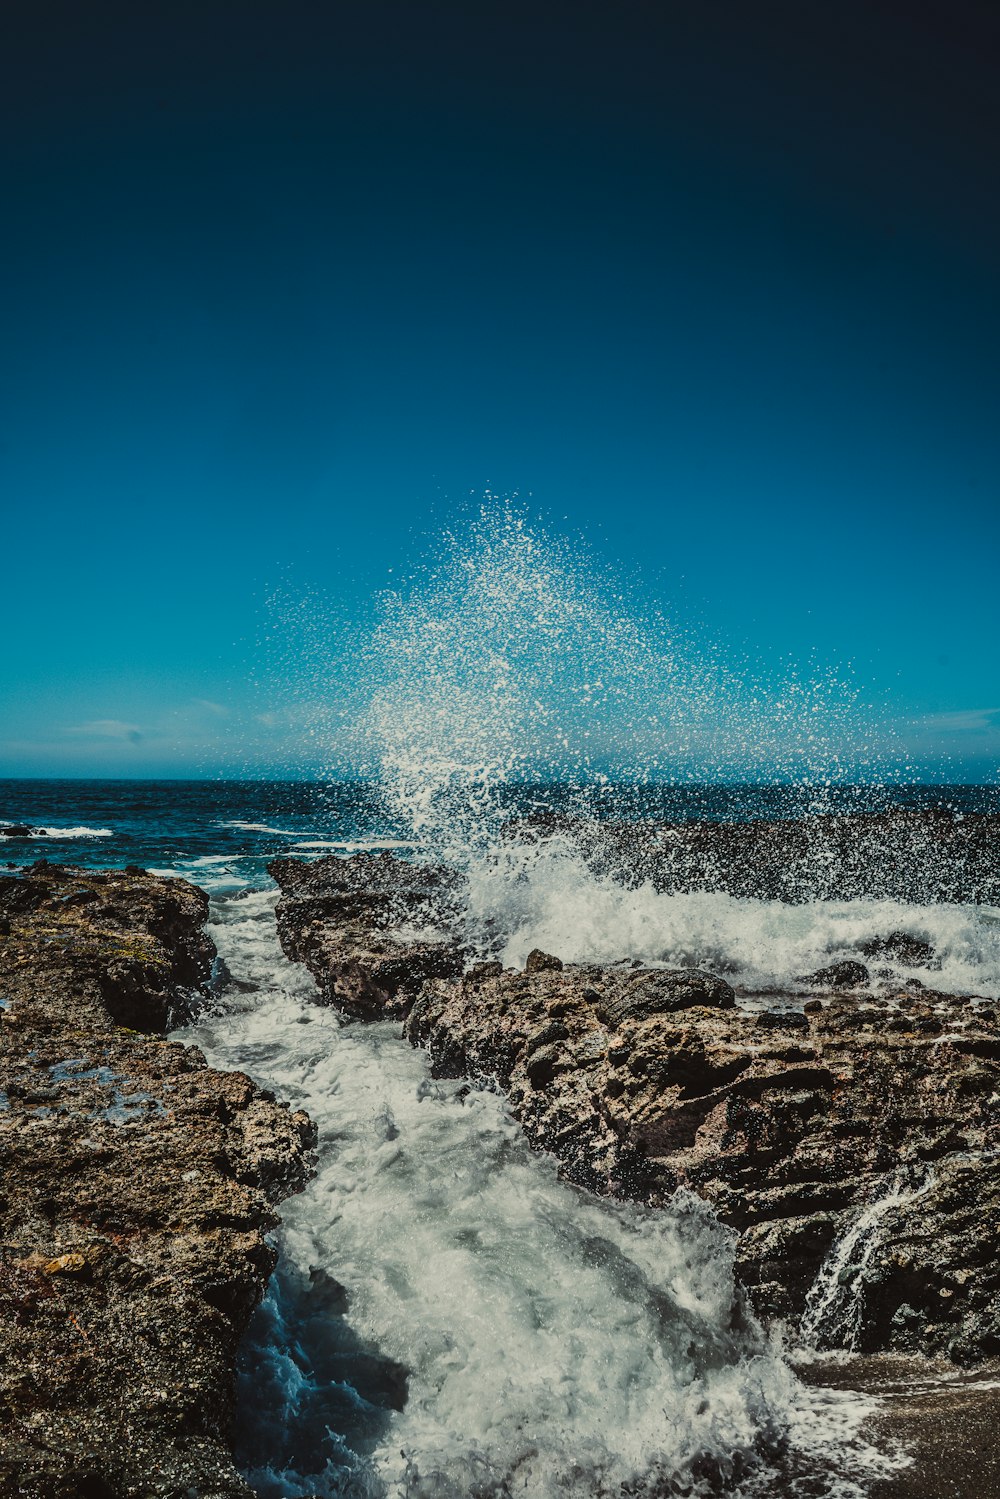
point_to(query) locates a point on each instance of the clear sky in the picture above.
(284, 284)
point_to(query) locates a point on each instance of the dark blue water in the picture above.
(212, 831)
(221, 833)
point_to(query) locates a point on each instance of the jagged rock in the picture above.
(791, 1122)
(136, 1197)
(912, 952)
(911, 855)
(661, 991)
(342, 918)
(539, 962)
(16, 830)
(847, 974)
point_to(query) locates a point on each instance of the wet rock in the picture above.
(16, 830)
(541, 962)
(847, 974)
(136, 1199)
(784, 1020)
(912, 952)
(371, 929)
(918, 856)
(545, 1035)
(789, 1124)
(541, 1065)
(661, 991)
(480, 971)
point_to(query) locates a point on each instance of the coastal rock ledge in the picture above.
(136, 1189)
(850, 1139)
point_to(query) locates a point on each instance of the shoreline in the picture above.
(167, 1256)
(853, 1119)
(946, 1420)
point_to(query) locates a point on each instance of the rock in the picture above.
(541, 1065)
(480, 971)
(67, 1264)
(847, 974)
(912, 952)
(137, 1197)
(790, 1125)
(785, 1020)
(541, 962)
(15, 830)
(661, 991)
(917, 856)
(341, 917)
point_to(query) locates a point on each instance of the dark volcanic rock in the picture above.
(912, 952)
(136, 1192)
(538, 961)
(368, 928)
(847, 974)
(905, 855)
(15, 830)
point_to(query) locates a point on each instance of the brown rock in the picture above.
(790, 1128)
(846, 974)
(136, 1193)
(542, 962)
(341, 917)
(791, 1124)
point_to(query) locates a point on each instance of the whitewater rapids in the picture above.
(450, 1319)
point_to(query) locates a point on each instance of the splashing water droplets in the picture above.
(504, 665)
(513, 660)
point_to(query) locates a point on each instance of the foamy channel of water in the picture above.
(450, 1319)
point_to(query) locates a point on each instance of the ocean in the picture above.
(221, 832)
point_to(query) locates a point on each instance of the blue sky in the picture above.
(287, 286)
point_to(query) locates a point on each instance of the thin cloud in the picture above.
(107, 728)
(967, 720)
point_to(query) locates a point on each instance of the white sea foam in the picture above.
(218, 873)
(509, 658)
(556, 1345)
(833, 1313)
(545, 896)
(74, 832)
(259, 827)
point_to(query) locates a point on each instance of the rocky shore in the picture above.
(849, 1132)
(137, 1188)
